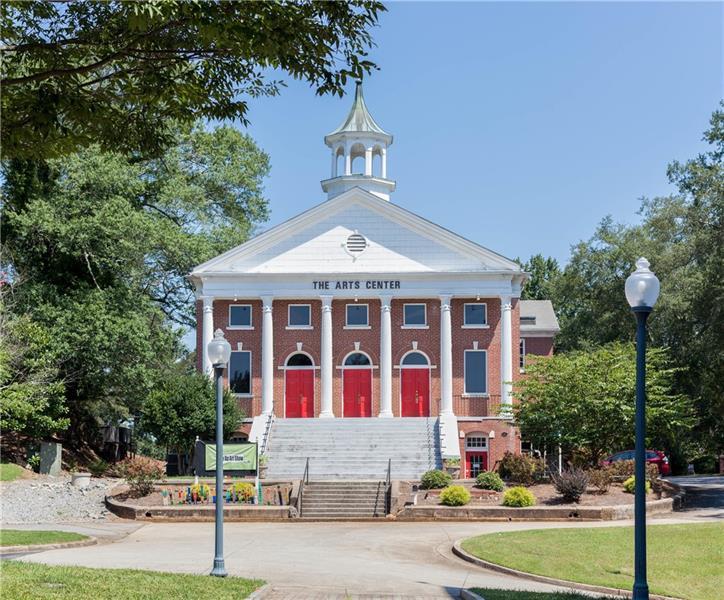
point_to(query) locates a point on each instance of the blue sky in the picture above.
(517, 125)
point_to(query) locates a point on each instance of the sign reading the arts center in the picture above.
(368, 284)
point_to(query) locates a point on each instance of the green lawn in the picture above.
(683, 560)
(490, 594)
(10, 472)
(27, 581)
(18, 537)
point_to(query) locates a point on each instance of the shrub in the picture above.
(521, 469)
(455, 495)
(435, 479)
(34, 462)
(140, 472)
(626, 468)
(98, 467)
(706, 464)
(629, 486)
(571, 484)
(518, 497)
(244, 490)
(488, 480)
(600, 479)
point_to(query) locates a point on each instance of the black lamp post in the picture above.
(219, 352)
(642, 290)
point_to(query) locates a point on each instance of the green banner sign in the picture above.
(237, 457)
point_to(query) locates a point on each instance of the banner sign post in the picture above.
(237, 457)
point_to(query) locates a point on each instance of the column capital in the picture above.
(506, 302)
(326, 302)
(208, 302)
(445, 301)
(267, 302)
(386, 303)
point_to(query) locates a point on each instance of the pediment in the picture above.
(397, 241)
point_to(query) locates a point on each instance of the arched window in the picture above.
(299, 360)
(415, 359)
(357, 359)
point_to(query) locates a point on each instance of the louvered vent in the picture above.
(356, 243)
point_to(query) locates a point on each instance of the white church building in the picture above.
(363, 333)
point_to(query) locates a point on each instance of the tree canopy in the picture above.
(118, 72)
(586, 400)
(97, 246)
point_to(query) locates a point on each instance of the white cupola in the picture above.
(359, 153)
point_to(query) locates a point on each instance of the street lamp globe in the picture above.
(219, 350)
(642, 286)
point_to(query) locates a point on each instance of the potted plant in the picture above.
(263, 466)
(452, 466)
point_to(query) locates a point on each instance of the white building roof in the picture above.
(537, 318)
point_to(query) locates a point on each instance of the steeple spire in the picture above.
(359, 137)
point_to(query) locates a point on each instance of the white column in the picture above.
(267, 356)
(386, 358)
(446, 380)
(334, 162)
(347, 161)
(326, 359)
(506, 351)
(207, 332)
(368, 162)
(383, 160)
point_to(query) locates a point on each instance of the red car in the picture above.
(656, 457)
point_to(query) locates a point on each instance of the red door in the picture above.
(357, 393)
(299, 394)
(475, 463)
(415, 392)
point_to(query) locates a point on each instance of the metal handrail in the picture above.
(305, 480)
(267, 434)
(388, 488)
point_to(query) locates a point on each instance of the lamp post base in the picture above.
(219, 569)
(640, 591)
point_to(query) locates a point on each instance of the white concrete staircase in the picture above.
(349, 449)
(343, 500)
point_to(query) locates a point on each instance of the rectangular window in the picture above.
(240, 372)
(476, 442)
(240, 315)
(476, 315)
(415, 314)
(476, 372)
(522, 353)
(300, 315)
(357, 315)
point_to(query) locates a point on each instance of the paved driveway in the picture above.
(704, 495)
(313, 560)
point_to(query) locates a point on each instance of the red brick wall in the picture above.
(507, 438)
(538, 346)
(428, 342)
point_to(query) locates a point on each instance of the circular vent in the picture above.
(356, 243)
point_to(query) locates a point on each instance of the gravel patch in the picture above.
(53, 500)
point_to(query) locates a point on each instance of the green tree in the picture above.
(99, 245)
(543, 274)
(117, 73)
(182, 407)
(32, 401)
(585, 400)
(683, 238)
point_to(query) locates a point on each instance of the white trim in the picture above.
(476, 325)
(465, 378)
(289, 317)
(415, 351)
(346, 356)
(299, 328)
(346, 316)
(309, 356)
(405, 325)
(251, 317)
(251, 375)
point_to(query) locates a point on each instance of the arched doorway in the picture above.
(357, 385)
(299, 386)
(415, 386)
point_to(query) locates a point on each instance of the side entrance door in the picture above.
(475, 463)
(357, 392)
(299, 393)
(415, 392)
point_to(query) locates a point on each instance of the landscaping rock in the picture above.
(53, 500)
